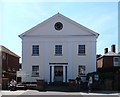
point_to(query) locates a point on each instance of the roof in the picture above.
(109, 54)
(4, 49)
(63, 17)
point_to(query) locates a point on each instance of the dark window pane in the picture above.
(58, 50)
(81, 49)
(35, 71)
(35, 50)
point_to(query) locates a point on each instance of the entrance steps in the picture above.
(58, 84)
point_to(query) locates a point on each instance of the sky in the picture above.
(18, 17)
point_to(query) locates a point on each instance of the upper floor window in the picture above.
(116, 61)
(35, 50)
(81, 49)
(58, 50)
(35, 71)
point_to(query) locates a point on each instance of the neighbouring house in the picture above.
(10, 65)
(58, 49)
(108, 66)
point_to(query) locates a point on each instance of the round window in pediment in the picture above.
(58, 26)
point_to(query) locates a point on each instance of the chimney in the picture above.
(113, 48)
(105, 50)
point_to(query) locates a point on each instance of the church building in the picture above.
(58, 49)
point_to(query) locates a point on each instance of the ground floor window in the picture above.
(35, 71)
(81, 69)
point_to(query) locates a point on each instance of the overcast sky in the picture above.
(18, 17)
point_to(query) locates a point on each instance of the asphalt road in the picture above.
(35, 93)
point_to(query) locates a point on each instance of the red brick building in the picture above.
(10, 65)
(108, 66)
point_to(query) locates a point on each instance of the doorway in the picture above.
(58, 74)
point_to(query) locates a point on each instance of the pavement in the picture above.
(36, 93)
(58, 91)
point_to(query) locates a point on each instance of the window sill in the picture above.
(58, 55)
(35, 54)
(81, 54)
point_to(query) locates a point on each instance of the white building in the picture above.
(58, 49)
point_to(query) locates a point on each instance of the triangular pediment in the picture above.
(69, 27)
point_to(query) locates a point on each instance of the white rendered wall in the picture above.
(70, 56)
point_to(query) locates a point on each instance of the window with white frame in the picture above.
(58, 50)
(35, 50)
(35, 71)
(81, 49)
(81, 69)
(116, 61)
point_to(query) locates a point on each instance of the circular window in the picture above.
(58, 26)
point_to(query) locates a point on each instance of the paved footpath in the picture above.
(35, 93)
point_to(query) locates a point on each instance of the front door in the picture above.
(58, 73)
